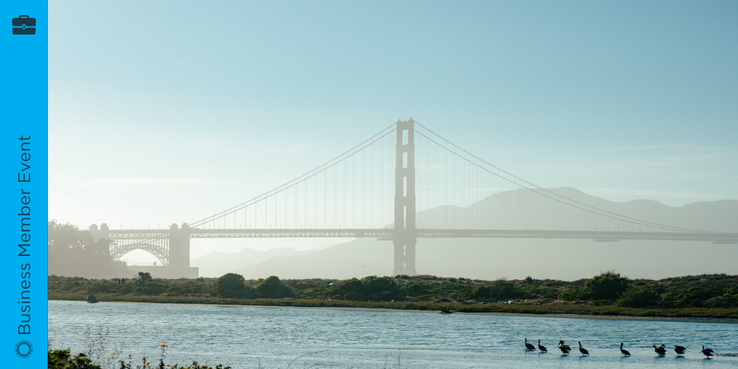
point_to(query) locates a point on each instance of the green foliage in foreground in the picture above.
(195, 365)
(63, 359)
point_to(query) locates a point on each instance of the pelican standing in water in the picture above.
(625, 352)
(564, 348)
(708, 352)
(679, 349)
(528, 346)
(661, 350)
(541, 347)
(582, 349)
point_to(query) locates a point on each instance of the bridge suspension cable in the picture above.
(351, 196)
(348, 191)
(522, 183)
(312, 174)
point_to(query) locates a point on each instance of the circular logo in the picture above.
(23, 349)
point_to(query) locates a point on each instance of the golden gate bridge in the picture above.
(403, 183)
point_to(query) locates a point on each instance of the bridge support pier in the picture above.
(179, 251)
(405, 237)
(102, 233)
(176, 261)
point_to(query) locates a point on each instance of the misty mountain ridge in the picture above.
(514, 258)
(524, 209)
(218, 263)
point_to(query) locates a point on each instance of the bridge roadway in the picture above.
(388, 234)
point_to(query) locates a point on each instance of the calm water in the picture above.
(253, 337)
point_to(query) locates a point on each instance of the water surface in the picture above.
(272, 337)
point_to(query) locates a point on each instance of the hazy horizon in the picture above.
(494, 258)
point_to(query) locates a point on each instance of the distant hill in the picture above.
(513, 258)
(520, 208)
(218, 263)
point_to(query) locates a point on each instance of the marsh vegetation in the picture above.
(607, 294)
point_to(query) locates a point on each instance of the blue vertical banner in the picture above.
(24, 183)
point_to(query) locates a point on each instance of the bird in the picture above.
(708, 352)
(625, 352)
(528, 346)
(679, 349)
(564, 348)
(582, 349)
(661, 350)
(541, 347)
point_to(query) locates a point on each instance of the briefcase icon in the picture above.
(23, 25)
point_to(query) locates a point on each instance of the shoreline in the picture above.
(553, 311)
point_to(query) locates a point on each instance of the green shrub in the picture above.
(569, 294)
(696, 296)
(420, 290)
(734, 291)
(371, 288)
(195, 365)
(606, 286)
(501, 289)
(639, 297)
(230, 285)
(63, 359)
(272, 288)
(381, 289)
(724, 301)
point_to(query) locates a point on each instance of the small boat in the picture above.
(445, 310)
(91, 299)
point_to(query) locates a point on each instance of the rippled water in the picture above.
(268, 337)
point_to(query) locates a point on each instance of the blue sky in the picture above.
(169, 111)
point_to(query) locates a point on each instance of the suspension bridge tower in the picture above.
(405, 237)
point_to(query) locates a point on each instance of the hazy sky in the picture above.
(170, 111)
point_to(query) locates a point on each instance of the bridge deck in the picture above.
(604, 236)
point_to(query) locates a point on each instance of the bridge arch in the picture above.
(171, 247)
(157, 249)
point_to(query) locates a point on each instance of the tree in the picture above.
(144, 277)
(606, 286)
(230, 285)
(76, 253)
(272, 288)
